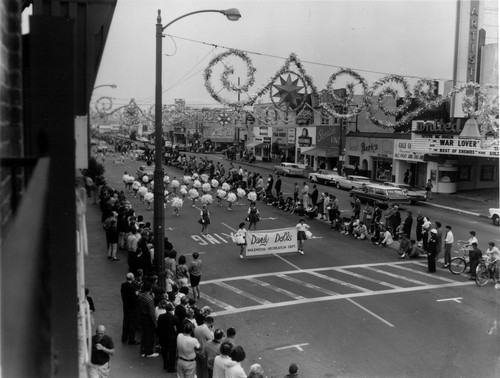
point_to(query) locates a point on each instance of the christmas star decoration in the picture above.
(288, 92)
(223, 118)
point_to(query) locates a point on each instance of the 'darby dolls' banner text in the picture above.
(268, 242)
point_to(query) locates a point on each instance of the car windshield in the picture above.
(395, 191)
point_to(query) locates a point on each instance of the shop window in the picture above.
(448, 176)
(465, 173)
(383, 170)
(488, 172)
(354, 160)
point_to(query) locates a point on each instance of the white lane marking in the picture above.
(395, 275)
(270, 218)
(340, 296)
(421, 273)
(277, 289)
(457, 299)
(218, 303)
(371, 313)
(297, 346)
(243, 293)
(382, 283)
(335, 280)
(306, 284)
(232, 229)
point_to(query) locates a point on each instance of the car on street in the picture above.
(290, 169)
(495, 216)
(382, 195)
(351, 182)
(145, 170)
(413, 194)
(324, 176)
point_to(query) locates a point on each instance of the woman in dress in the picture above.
(301, 234)
(204, 219)
(195, 274)
(182, 272)
(253, 216)
(241, 238)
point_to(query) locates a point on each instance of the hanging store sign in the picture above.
(403, 151)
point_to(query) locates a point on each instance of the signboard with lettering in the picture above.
(269, 242)
(306, 136)
(328, 136)
(291, 136)
(403, 150)
(380, 147)
(280, 135)
(441, 142)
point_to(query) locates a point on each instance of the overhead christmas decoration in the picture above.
(482, 105)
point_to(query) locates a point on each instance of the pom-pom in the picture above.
(175, 184)
(142, 190)
(197, 184)
(149, 197)
(214, 183)
(231, 197)
(196, 176)
(177, 202)
(145, 179)
(187, 180)
(166, 193)
(193, 193)
(166, 180)
(221, 193)
(183, 190)
(226, 187)
(204, 177)
(206, 187)
(130, 179)
(252, 196)
(207, 199)
(241, 193)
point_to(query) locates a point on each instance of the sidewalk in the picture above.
(471, 202)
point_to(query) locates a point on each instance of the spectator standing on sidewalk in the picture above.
(187, 346)
(296, 191)
(102, 349)
(277, 185)
(167, 332)
(195, 274)
(236, 371)
(407, 223)
(305, 194)
(428, 189)
(222, 361)
(448, 242)
(439, 246)
(147, 319)
(212, 350)
(418, 230)
(431, 251)
(293, 371)
(129, 299)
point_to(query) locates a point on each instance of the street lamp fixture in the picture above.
(231, 14)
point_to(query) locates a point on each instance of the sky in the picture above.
(373, 38)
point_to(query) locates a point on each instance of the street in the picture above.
(345, 308)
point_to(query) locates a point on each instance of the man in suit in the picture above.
(277, 185)
(129, 299)
(167, 332)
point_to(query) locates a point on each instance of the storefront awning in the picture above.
(323, 152)
(254, 144)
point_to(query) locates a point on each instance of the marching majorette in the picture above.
(231, 198)
(177, 204)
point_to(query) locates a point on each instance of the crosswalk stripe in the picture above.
(343, 283)
(277, 289)
(395, 275)
(218, 303)
(421, 273)
(243, 293)
(306, 284)
(367, 278)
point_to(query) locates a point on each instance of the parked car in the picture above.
(324, 176)
(495, 216)
(351, 182)
(383, 195)
(413, 194)
(290, 169)
(146, 170)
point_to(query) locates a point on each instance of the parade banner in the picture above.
(269, 242)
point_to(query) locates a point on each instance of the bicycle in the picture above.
(458, 264)
(484, 273)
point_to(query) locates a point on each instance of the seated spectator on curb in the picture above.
(386, 238)
(360, 231)
(415, 251)
(404, 246)
(376, 238)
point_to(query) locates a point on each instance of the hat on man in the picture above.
(434, 231)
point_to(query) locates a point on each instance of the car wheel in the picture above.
(496, 220)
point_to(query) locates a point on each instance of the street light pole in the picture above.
(232, 14)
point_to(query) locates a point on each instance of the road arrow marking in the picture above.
(457, 299)
(298, 346)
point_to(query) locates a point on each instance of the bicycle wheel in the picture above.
(482, 276)
(457, 265)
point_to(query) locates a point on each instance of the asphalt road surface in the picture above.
(346, 308)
